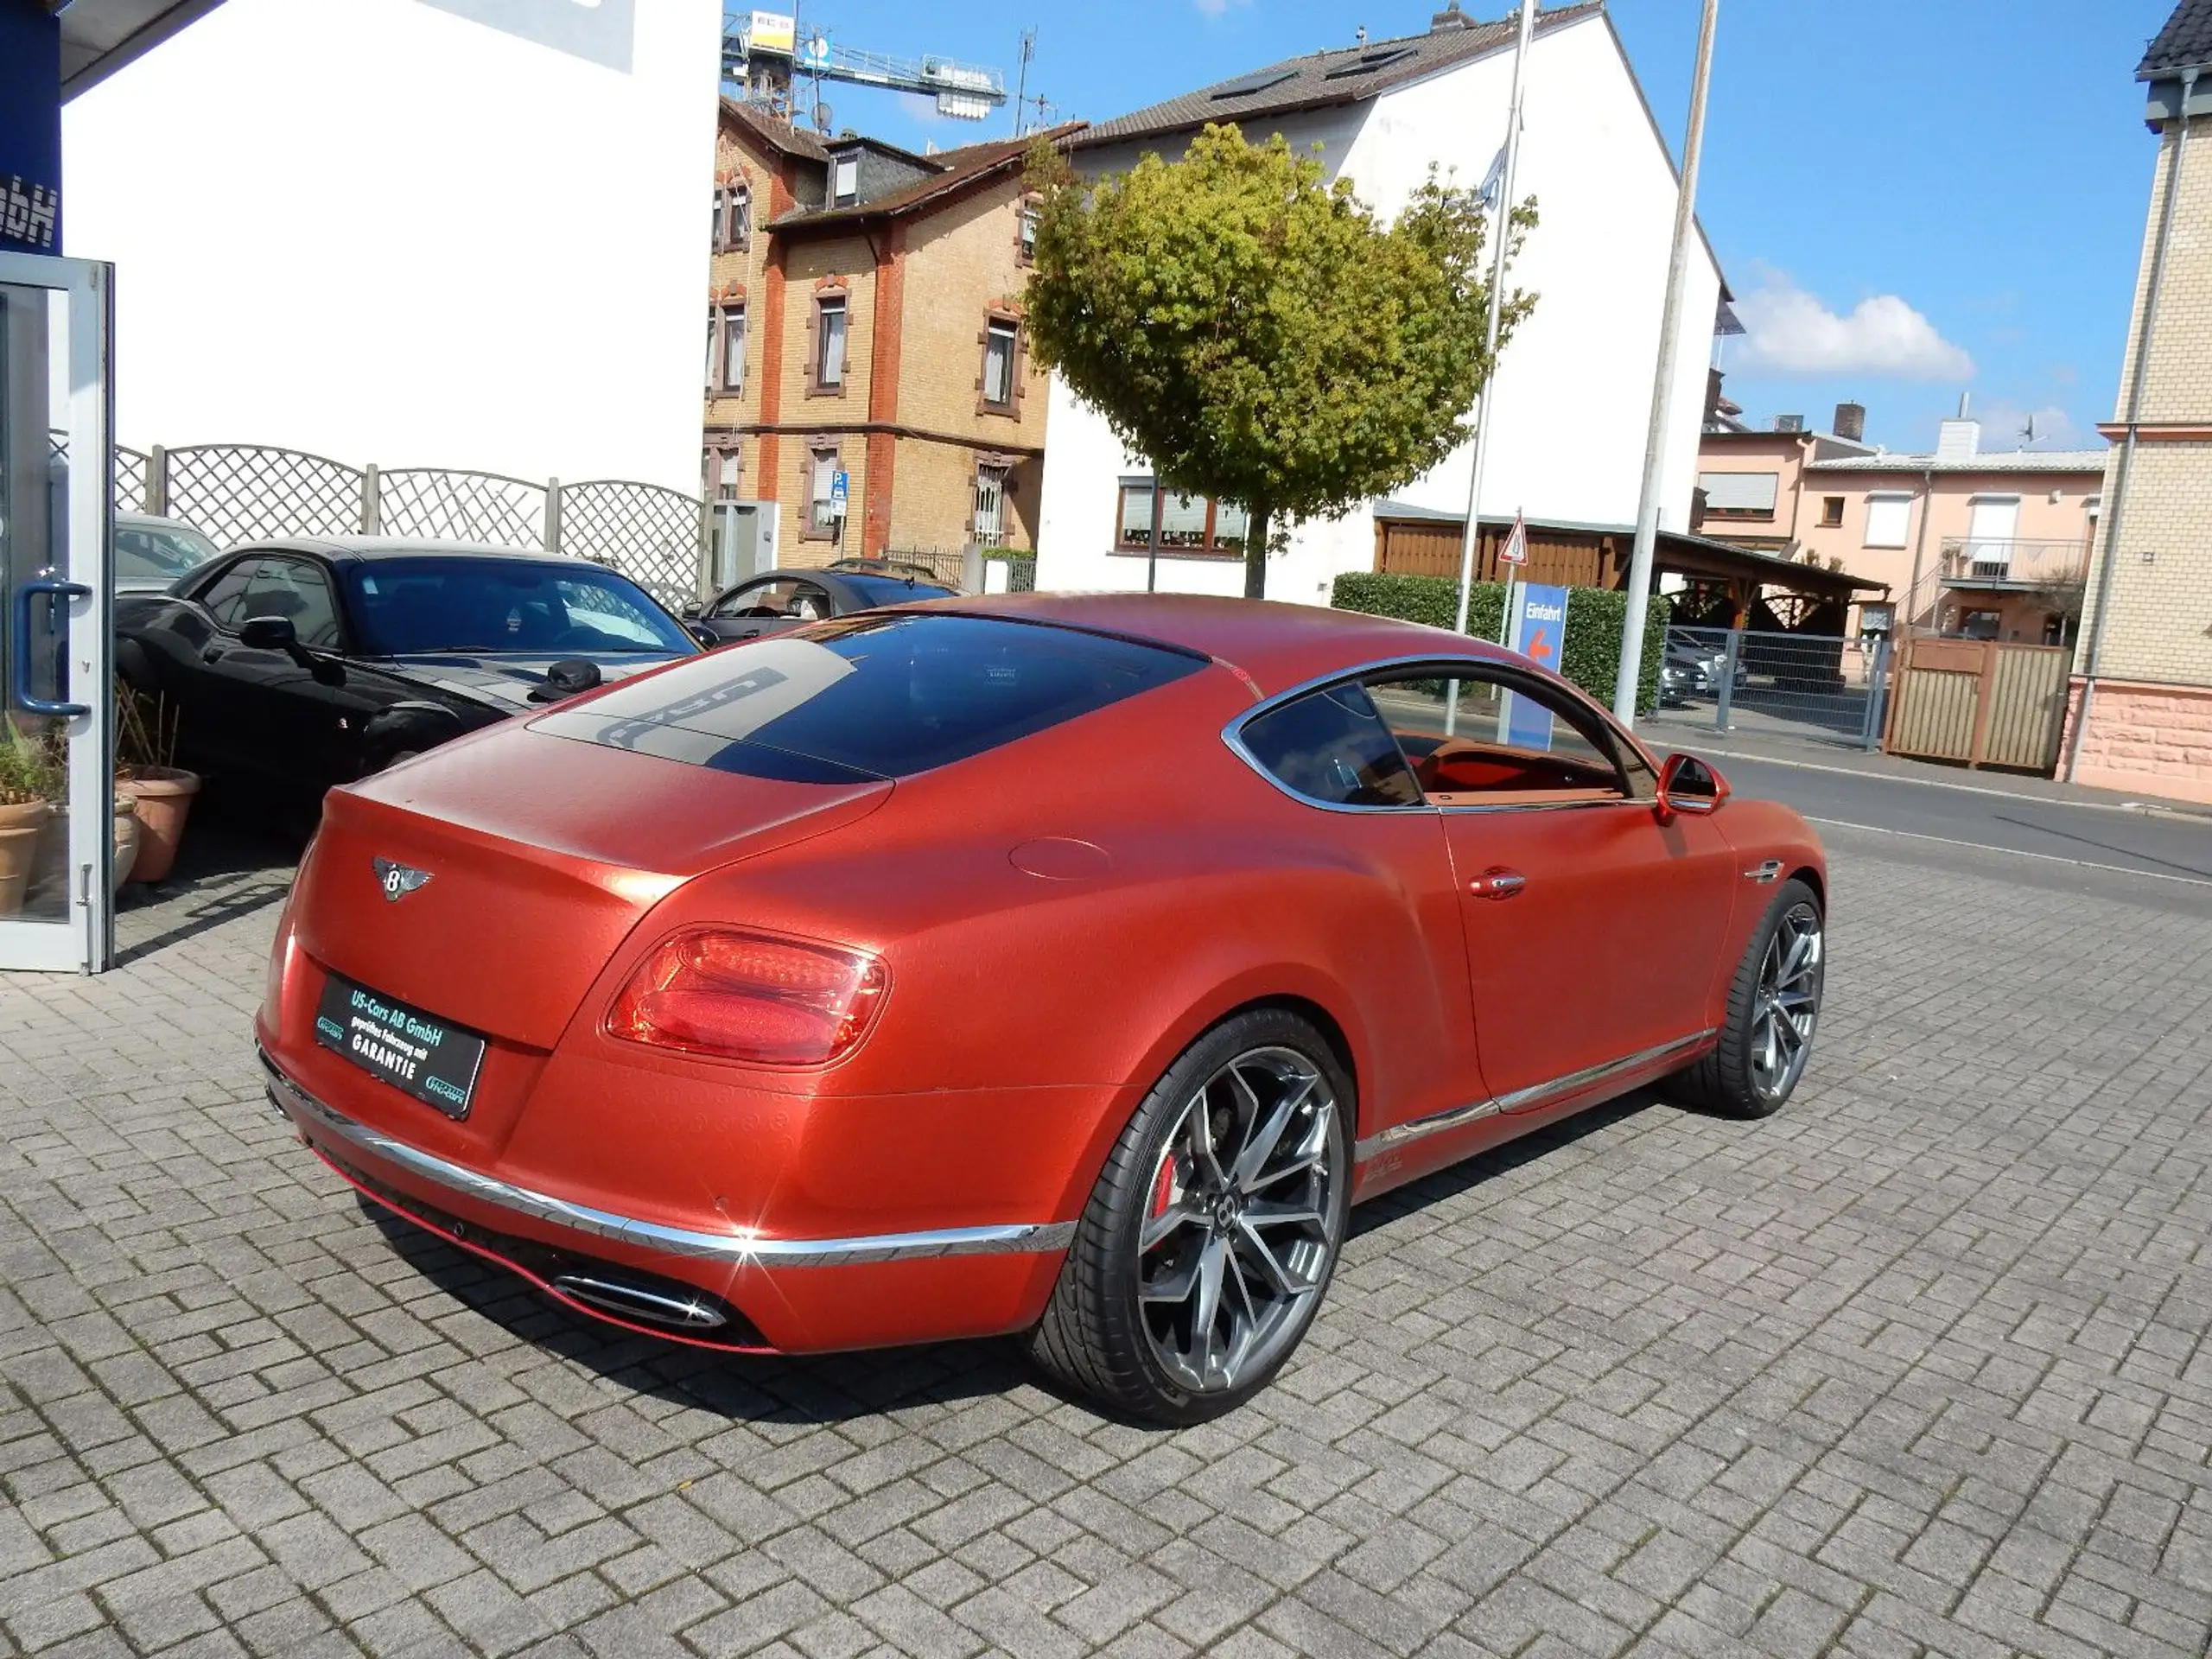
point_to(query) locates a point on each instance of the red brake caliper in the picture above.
(1163, 1190)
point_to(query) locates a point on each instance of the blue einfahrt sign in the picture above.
(31, 127)
(1539, 623)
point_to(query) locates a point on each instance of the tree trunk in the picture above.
(1255, 551)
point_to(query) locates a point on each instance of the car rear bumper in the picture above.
(758, 1292)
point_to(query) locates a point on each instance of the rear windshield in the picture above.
(893, 590)
(870, 696)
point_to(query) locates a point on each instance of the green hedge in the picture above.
(1590, 656)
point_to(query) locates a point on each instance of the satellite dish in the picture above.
(822, 117)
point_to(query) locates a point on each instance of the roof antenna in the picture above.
(1359, 35)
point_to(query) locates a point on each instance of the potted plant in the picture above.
(27, 782)
(160, 791)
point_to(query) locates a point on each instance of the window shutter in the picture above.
(1740, 492)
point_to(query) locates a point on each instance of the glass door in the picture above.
(57, 749)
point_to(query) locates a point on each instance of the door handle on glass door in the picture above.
(1498, 882)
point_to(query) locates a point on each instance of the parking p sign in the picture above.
(840, 492)
(1539, 624)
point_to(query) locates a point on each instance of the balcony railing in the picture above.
(1975, 561)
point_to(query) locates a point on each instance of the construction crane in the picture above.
(765, 55)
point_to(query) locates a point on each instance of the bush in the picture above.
(1590, 656)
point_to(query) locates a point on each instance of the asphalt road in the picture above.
(2155, 856)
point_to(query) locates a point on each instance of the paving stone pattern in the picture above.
(1918, 1367)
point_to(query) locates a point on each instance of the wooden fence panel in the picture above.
(2028, 706)
(1978, 702)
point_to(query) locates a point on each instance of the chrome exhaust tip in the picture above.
(634, 1301)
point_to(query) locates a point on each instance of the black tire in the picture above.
(1097, 1336)
(1734, 1080)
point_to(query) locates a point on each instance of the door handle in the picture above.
(212, 654)
(26, 699)
(1498, 882)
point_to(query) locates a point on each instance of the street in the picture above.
(1918, 1365)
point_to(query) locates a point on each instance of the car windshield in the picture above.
(403, 606)
(872, 696)
(893, 590)
(159, 552)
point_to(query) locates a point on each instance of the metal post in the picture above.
(157, 480)
(1501, 231)
(1625, 683)
(372, 500)
(1877, 694)
(552, 531)
(1728, 660)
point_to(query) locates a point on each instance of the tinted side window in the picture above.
(1477, 737)
(225, 599)
(1332, 747)
(296, 589)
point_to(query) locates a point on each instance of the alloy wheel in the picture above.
(1788, 1004)
(1242, 1224)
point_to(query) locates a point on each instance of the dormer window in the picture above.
(844, 181)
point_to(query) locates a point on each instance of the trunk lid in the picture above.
(541, 854)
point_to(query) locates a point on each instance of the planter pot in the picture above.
(127, 833)
(20, 828)
(163, 795)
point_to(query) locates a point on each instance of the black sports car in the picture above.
(309, 663)
(776, 600)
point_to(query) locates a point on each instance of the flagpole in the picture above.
(1501, 227)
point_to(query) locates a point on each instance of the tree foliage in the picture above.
(1260, 335)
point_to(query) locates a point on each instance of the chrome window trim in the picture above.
(735, 1249)
(1521, 1100)
(1232, 735)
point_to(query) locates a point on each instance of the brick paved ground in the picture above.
(1919, 1366)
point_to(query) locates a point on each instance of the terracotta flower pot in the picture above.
(20, 828)
(163, 797)
(127, 834)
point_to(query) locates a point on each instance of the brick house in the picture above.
(864, 317)
(2141, 704)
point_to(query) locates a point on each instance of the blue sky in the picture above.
(1911, 199)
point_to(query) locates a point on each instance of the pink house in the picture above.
(1991, 545)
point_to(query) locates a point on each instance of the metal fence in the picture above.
(250, 492)
(1830, 689)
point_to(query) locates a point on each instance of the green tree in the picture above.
(1261, 335)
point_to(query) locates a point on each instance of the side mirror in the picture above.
(1689, 786)
(690, 611)
(269, 634)
(707, 636)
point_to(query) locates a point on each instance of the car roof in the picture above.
(1276, 644)
(393, 547)
(159, 521)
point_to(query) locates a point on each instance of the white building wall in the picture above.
(1572, 394)
(445, 233)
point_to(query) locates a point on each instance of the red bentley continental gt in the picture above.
(1066, 966)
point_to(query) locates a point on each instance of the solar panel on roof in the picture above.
(1368, 62)
(1259, 82)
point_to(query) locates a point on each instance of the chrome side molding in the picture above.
(1521, 1100)
(734, 1247)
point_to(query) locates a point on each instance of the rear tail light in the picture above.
(750, 996)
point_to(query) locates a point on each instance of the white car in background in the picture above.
(152, 552)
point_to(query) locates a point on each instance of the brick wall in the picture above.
(2157, 624)
(736, 274)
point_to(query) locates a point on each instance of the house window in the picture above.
(740, 218)
(1027, 247)
(720, 238)
(1185, 524)
(733, 348)
(723, 471)
(999, 340)
(830, 343)
(714, 349)
(1831, 510)
(1739, 495)
(1888, 519)
(821, 483)
(989, 526)
(845, 180)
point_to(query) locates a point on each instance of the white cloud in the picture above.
(1789, 331)
(1215, 8)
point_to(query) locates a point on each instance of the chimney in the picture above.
(1450, 17)
(1851, 422)
(1958, 440)
(1789, 423)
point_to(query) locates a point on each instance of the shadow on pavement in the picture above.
(232, 863)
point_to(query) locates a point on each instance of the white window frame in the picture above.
(844, 181)
(998, 332)
(1894, 498)
(732, 325)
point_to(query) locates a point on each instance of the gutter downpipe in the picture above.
(1920, 539)
(2118, 503)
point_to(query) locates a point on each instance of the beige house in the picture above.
(1992, 545)
(864, 320)
(2141, 715)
